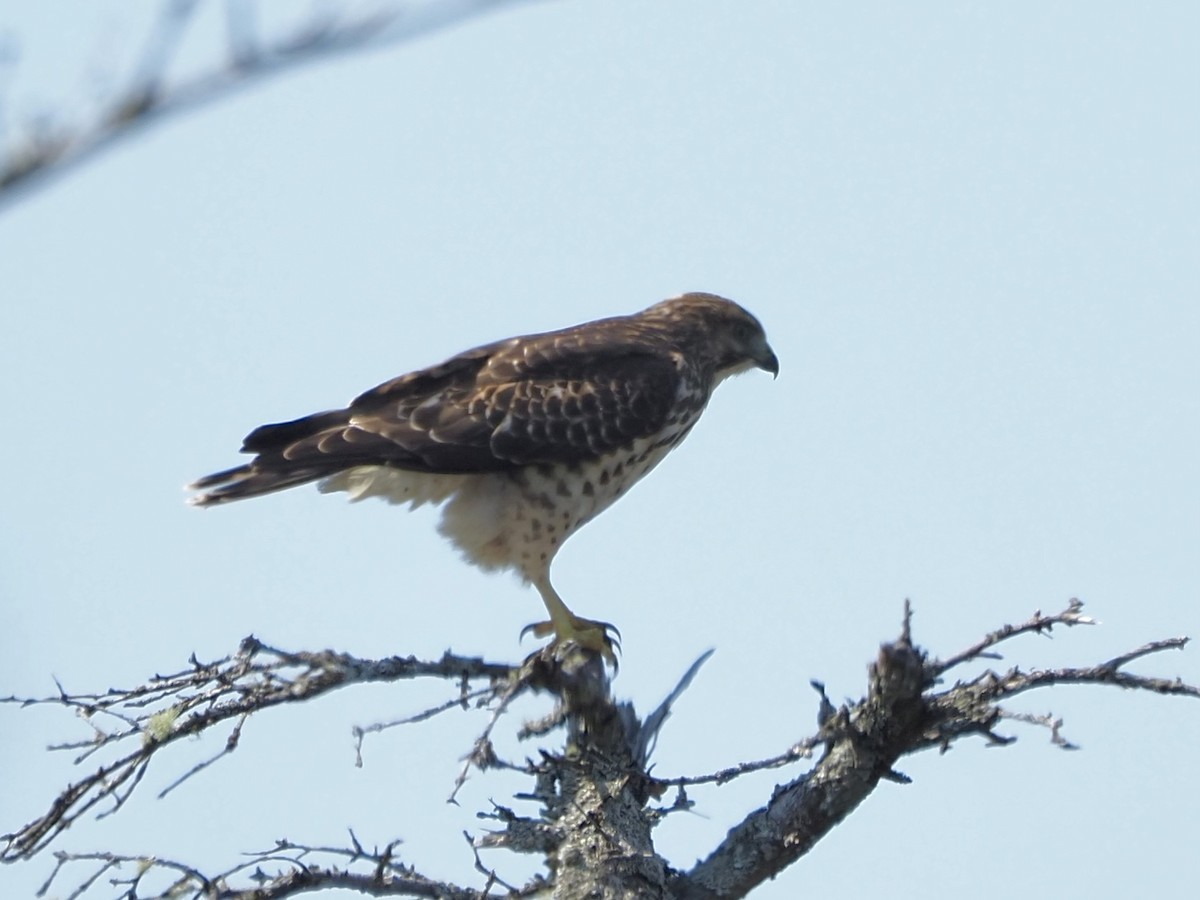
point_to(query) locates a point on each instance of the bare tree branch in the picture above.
(155, 878)
(1035, 624)
(900, 715)
(169, 708)
(595, 818)
(48, 148)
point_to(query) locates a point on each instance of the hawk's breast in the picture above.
(519, 519)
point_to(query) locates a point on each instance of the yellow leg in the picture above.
(566, 626)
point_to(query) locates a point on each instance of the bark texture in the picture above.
(599, 804)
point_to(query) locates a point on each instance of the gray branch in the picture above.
(597, 801)
(169, 708)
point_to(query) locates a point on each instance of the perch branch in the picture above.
(595, 817)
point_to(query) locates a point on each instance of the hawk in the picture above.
(524, 440)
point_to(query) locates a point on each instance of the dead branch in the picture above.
(594, 820)
(168, 708)
(1035, 624)
(901, 714)
(297, 869)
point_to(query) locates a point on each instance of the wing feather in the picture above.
(561, 397)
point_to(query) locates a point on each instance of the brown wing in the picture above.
(559, 397)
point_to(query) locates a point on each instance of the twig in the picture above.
(361, 731)
(382, 875)
(1049, 720)
(173, 707)
(481, 753)
(1037, 623)
(798, 751)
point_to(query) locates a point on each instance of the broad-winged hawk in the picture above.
(524, 439)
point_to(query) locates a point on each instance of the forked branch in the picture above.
(146, 719)
(596, 797)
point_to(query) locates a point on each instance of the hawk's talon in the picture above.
(601, 637)
(542, 629)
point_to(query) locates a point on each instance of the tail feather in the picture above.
(277, 466)
(277, 436)
(247, 481)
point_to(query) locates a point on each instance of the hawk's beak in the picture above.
(768, 361)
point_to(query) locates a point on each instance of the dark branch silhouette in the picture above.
(49, 147)
(598, 801)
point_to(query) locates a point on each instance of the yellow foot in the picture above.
(601, 637)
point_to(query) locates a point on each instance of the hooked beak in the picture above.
(768, 361)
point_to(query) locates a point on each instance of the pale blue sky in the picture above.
(971, 232)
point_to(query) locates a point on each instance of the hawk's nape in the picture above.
(524, 440)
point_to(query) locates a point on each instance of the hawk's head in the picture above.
(719, 329)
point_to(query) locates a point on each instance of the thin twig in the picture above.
(361, 731)
(798, 751)
(1037, 624)
(190, 702)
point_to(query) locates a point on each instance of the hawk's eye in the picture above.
(742, 331)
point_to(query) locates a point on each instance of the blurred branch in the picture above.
(49, 149)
